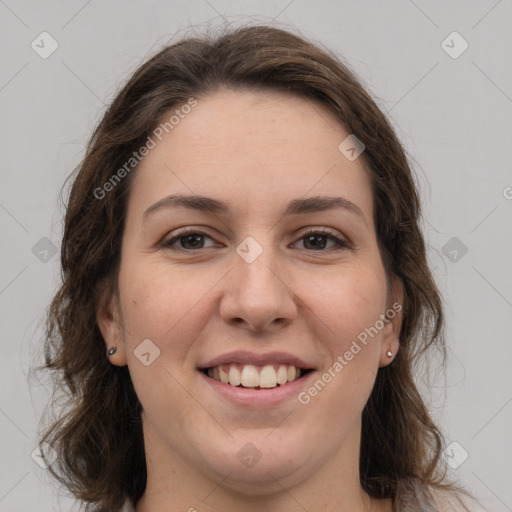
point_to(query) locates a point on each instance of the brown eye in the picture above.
(190, 241)
(317, 240)
(193, 240)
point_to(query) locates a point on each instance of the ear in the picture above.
(393, 322)
(108, 318)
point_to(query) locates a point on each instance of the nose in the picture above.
(257, 296)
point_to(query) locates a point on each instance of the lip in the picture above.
(250, 398)
(246, 357)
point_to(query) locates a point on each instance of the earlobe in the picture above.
(389, 352)
(108, 319)
(390, 340)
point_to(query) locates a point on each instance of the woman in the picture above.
(245, 293)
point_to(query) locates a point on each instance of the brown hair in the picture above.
(98, 438)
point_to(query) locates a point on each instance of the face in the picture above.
(262, 282)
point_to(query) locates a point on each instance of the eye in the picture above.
(190, 240)
(317, 239)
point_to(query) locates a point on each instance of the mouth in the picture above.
(256, 377)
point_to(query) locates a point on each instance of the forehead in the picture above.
(256, 150)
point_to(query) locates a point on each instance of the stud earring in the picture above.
(389, 353)
(112, 351)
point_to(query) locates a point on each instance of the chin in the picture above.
(260, 466)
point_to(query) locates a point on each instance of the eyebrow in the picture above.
(294, 207)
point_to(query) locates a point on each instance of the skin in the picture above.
(256, 152)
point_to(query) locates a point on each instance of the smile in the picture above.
(256, 377)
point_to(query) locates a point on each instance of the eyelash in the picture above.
(342, 244)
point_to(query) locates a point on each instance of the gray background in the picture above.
(453, 114)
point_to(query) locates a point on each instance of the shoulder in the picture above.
(415, 496)
(449, 501)
(128, 506)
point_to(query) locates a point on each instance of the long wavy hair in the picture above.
(97, 435)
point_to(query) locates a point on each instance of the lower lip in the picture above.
(253, 397)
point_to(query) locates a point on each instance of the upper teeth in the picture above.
(251, 376)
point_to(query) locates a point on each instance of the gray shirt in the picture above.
(411, 496)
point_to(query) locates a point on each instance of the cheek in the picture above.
(348, 306)
(349, 302)
(160, 306)
(164, 304)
